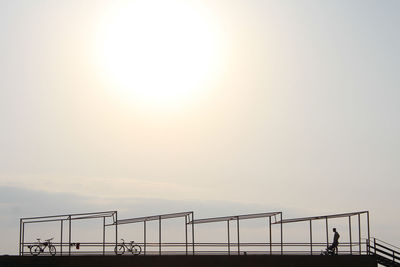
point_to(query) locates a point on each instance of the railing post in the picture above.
(351, 243)
(270, 236)
(69, 236)
(159, 235)
(104, 236)
(186, 235)
(116, 228)
(144, 237)
(20, 236)
(61, 237)
(327, 231)
(238, 235)
(229, 239)
(359, 233)
(311, 237)
(281, 234)
(369, 237)
(193, 231)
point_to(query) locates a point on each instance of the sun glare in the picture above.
(159, 53)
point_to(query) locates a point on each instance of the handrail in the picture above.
(388, 254)
(383, 251)
(201, 248)
(386, 243)
(391, 250)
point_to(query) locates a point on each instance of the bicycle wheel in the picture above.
(35, 250)
(119, 249)
(136, 249)
(52, 250)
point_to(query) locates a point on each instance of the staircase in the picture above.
(386, 254)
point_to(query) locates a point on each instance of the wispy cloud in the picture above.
(103, 187)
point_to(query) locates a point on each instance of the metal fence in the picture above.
(220, 248)
(66, 247)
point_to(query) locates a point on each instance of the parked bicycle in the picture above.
(120, 249)
(41, 246)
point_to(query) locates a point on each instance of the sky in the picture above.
(221, 107)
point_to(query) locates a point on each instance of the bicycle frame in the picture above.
(132, 247)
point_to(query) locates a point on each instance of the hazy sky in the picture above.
(223, 107)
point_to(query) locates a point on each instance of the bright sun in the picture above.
(159, 53)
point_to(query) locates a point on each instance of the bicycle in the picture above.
(330, 251)
(40, 247)
(132, 247)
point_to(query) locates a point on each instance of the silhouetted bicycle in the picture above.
(40, 247)
(329, 251)
(132, 247)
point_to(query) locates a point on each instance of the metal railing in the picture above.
(387, 254)
(206, 248)
(109, 220)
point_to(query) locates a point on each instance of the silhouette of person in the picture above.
(335, 243)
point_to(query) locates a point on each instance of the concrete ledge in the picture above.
(190, 261)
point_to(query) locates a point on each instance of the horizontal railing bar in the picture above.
(189, 243)
(385, 243)
(202, 248)
(391, 250)
(387, 253)
(67, 219)
(67, 215)
(297, 252)
(182, 244)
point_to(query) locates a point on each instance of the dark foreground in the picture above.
(189, 261)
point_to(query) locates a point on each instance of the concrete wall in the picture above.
(186, 261)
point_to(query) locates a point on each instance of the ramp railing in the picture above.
(386, 254)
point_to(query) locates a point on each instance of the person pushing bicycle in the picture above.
(335, 243)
